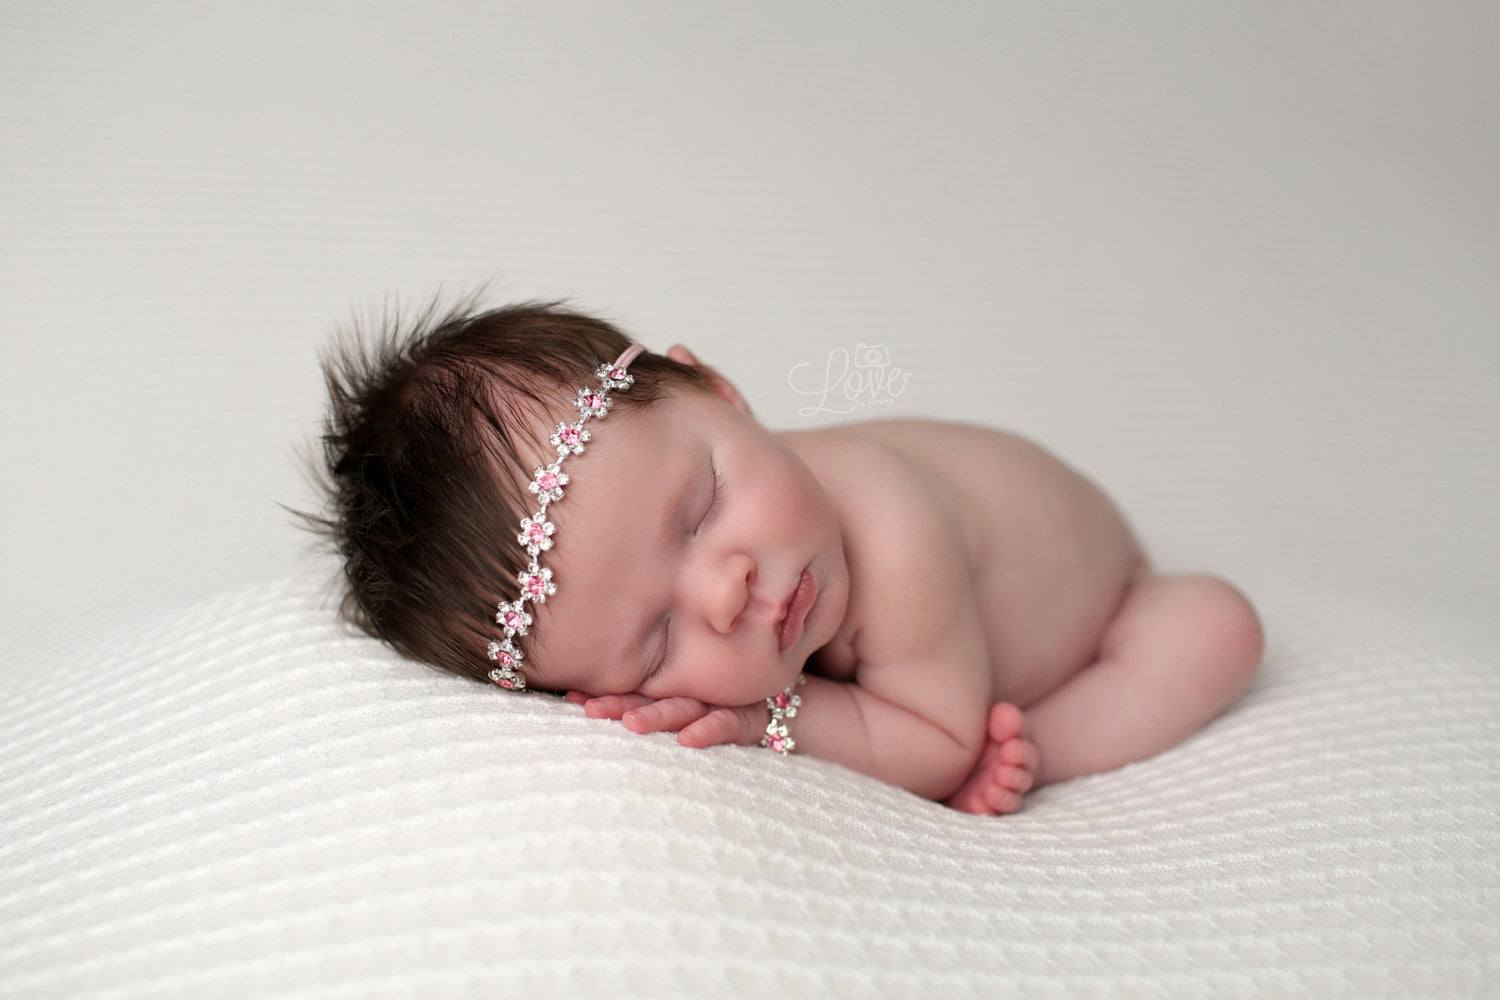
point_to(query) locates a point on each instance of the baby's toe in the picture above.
(1002, 800)
(973, 799)
(1019, 753)
(1016, 779)
(1005, 722)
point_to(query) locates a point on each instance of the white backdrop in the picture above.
(1236, 261)
(1277, 220)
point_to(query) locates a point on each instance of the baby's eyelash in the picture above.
(666, 652)
(713, 504)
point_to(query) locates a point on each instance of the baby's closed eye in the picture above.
(665, 655)
(715, 501)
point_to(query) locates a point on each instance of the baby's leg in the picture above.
(1003, 773)
(1179, 650)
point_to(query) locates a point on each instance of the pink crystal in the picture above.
(569, 434)
(782, 700)
(535, 584)
(536, 534)
(592, 400)
(513, 619)
(546, 480)
(617, 373)
(776, 742)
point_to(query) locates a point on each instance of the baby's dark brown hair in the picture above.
(427, 448)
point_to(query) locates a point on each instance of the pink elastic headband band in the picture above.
(630, 354)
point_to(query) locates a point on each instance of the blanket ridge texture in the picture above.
(251, 798)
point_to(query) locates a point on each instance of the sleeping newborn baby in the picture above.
(524, 496)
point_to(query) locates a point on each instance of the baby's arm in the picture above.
(838, 721)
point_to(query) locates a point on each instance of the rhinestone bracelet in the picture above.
(783, 706)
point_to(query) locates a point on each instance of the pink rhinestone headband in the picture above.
(536, 531)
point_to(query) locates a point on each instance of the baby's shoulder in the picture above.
(933, 441)
(970, 463)
(918, 453)
(889, 483)
(880, 460)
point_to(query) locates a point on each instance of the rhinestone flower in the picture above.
(536, 533)
(591, 403)
(505, 653)
(548, 483)
(614, 377)
(783, 706)
(513, 618)
(569, 439)
(536, 584)
(508, 678)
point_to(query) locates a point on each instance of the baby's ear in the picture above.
(722, 387)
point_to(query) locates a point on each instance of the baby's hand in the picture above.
(696, 724)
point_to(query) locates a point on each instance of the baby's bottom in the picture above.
(1178, 651)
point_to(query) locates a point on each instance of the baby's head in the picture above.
(685, 525)
(432, 436)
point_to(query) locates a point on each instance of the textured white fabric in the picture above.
(1237, 263)
(249, 802)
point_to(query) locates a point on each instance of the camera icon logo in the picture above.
(871, 355)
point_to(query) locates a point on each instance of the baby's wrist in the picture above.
(782, 708)
(756, 717)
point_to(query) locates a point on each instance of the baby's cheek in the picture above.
(598, 684)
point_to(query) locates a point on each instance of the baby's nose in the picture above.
(730, 592)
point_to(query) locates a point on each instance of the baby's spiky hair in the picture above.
(432, 432)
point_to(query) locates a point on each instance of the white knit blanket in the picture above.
(250, 802)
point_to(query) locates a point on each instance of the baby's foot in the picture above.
(1005, 766)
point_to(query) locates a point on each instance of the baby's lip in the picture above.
(786, 601)
(795, 608)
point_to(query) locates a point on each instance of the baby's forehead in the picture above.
(643, 462)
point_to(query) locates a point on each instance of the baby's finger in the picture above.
(577, 697)
(668, 715)
(613, 706)
(722, 725)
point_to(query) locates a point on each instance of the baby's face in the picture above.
(686, 530)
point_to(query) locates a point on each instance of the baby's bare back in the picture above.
(1047, 555)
